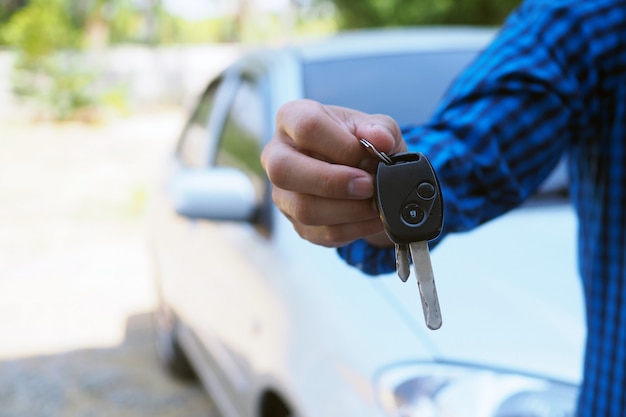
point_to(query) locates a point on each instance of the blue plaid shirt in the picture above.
(552, 82)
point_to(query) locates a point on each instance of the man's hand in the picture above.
(323, 177)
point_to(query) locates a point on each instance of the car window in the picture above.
(192, 148)
(406, 87)
(243, 133)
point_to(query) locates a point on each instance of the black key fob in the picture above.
(409, 198)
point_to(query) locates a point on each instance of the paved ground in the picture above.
(75, 285)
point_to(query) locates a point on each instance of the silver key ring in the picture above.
(381, 155)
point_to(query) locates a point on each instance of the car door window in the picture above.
(243, 134)
(192, 147)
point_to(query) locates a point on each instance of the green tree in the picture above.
(8, 8)
(377, 13)
(39, 28)
(49, 73)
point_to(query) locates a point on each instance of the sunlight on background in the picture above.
(72, 255)
(193, 9)
(73, 261)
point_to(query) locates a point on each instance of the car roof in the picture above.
(367, 43)
(352, 44)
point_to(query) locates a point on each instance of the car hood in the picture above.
(510, 295)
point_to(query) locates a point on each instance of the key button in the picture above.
(413, 213)
(426, 190)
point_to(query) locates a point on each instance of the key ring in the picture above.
(381, 155)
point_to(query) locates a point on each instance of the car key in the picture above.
(403, 262)
(409, 202)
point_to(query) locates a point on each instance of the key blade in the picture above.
(403, 263)
(426, 284)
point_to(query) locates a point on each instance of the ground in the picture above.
(76, 290)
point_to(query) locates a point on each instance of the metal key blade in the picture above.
(426, 284)
(403, 263)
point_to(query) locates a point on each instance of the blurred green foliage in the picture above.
(50, 72)
(57, 85)
(50, 35)
(40, 28)
(41, 25)
(377, 13)
(8, 8)
(177, 30)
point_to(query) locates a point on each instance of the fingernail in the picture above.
(361, 187)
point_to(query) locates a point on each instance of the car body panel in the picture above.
(510, 286)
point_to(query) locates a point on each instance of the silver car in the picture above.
(274, 326)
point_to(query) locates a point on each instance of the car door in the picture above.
(220, 290)
(173, 235)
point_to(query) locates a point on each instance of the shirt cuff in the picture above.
(369, 259)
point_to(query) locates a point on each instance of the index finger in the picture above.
(330, 133)
(292, 170)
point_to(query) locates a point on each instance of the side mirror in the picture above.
(213, 194)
